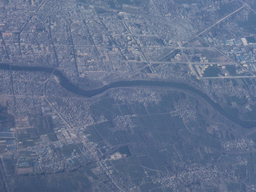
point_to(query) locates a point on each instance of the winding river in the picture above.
(66, 84)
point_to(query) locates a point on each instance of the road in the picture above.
(228, 77)
(197, 35)
(57, 112)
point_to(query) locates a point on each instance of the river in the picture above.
(69, 86)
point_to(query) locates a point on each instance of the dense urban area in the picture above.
(128, 95)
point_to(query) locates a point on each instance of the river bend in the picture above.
(66, 84)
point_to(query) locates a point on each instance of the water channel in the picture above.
(69, 86)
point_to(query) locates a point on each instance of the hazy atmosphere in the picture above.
(127, 96)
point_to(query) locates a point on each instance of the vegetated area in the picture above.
(138, 138)
(212, 71)
(161, 137)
